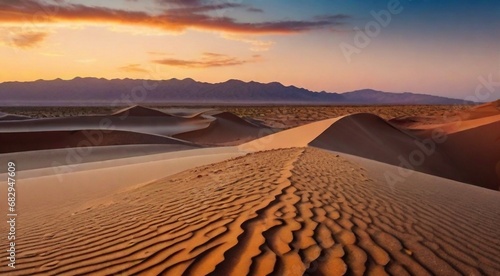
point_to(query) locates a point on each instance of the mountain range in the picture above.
(123, 92)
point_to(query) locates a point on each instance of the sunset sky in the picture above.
(433, 47)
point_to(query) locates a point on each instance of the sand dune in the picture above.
(282, 212)
(130, 120)
(151, 164)
(225, 129)
(370, 136)
(290, 138)
(453, 120)
(12, 117)
(186, 112)
(29, 160)
(43, 140)
(311, 200)
(476, 153)
(82, 183)
(472, 142)
(452, 127)
(140, 111)
(133, 125)
(481, 111)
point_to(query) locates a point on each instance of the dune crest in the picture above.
(12, 117)
(226, 129)
(369, 136)
(139, 111)
(290, 138)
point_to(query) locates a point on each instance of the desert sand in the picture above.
(130, 126)
(235, 197)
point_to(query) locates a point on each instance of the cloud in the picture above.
(26, 40)
(251, 9)
(191, 14)
(204, 8)
(133, 68)
(181, 2)
(220, 6)
(333, 17)
(214, 55)
(207, 60)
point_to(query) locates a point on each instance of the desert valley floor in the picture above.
(254, 191)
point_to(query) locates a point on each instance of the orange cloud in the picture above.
(207, 60)
(179, 18)
(26, 40)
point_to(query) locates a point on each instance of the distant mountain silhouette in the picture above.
(125, 92)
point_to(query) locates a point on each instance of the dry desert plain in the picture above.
(398, 190)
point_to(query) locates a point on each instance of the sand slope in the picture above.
(133, 125)
(80, 184)
(482, 111)
(43, 140)
(422, 129)
(140, 111)
(284, 212)
(29, 160)
(290, 138)
(476, 153)
(472, 142)
(155, 123)
(470, 154)
(12, 117)
(371, 137)
(452, 121)
(225, 129)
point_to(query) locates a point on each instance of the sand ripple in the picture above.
(283, 212)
